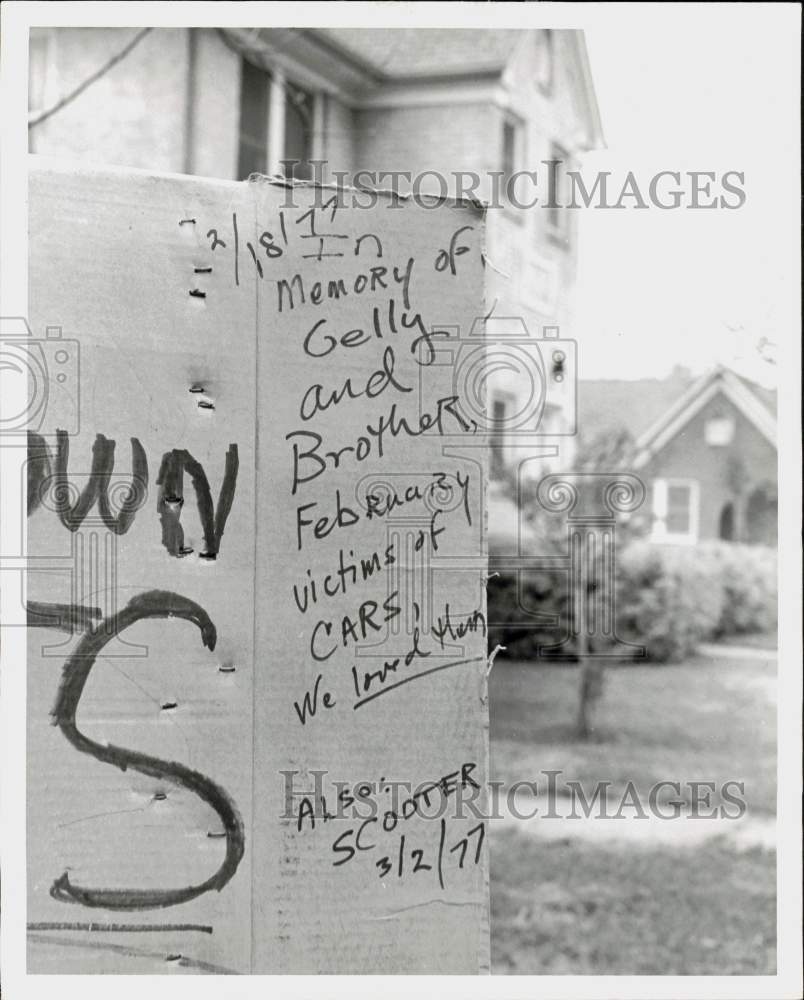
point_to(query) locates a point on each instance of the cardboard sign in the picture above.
(256, 591)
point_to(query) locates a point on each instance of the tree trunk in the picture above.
(590, 691)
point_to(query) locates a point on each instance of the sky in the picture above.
(662, 288)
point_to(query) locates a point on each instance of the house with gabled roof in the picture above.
(705, 448)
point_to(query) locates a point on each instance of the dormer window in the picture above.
(719, 431)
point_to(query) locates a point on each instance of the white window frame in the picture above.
(560, 232)
(519, 125)
(659, 531)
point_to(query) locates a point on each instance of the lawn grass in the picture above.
(754, 640)
(570, 906)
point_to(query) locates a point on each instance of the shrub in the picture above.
(669, 599)
(513, 605)
(750, 591)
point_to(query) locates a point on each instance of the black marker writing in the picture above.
(309, 704)
(171, 500)
(97, 488)
(38, 469)
(152, 604)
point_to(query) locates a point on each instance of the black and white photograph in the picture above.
(400, 526)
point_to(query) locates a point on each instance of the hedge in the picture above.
(669, 599)
(750, 592)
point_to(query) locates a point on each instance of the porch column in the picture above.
(276, 121)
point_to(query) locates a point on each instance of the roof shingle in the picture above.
(609, 405)
(411, 52)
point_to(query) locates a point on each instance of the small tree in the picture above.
(598, 453)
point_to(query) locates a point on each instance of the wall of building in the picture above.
(441, 137)
(688, 456)
(545, 273)
(337, 139)
(146, 92)
(531, 274)
(216, 106)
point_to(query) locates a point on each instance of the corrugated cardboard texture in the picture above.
(235, 765)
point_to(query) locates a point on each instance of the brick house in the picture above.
(705, 449)
(226, 103)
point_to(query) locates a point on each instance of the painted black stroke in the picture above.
(38, 469)
(152, 604)
(171, 499)
(97, 487)
(111, 928)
